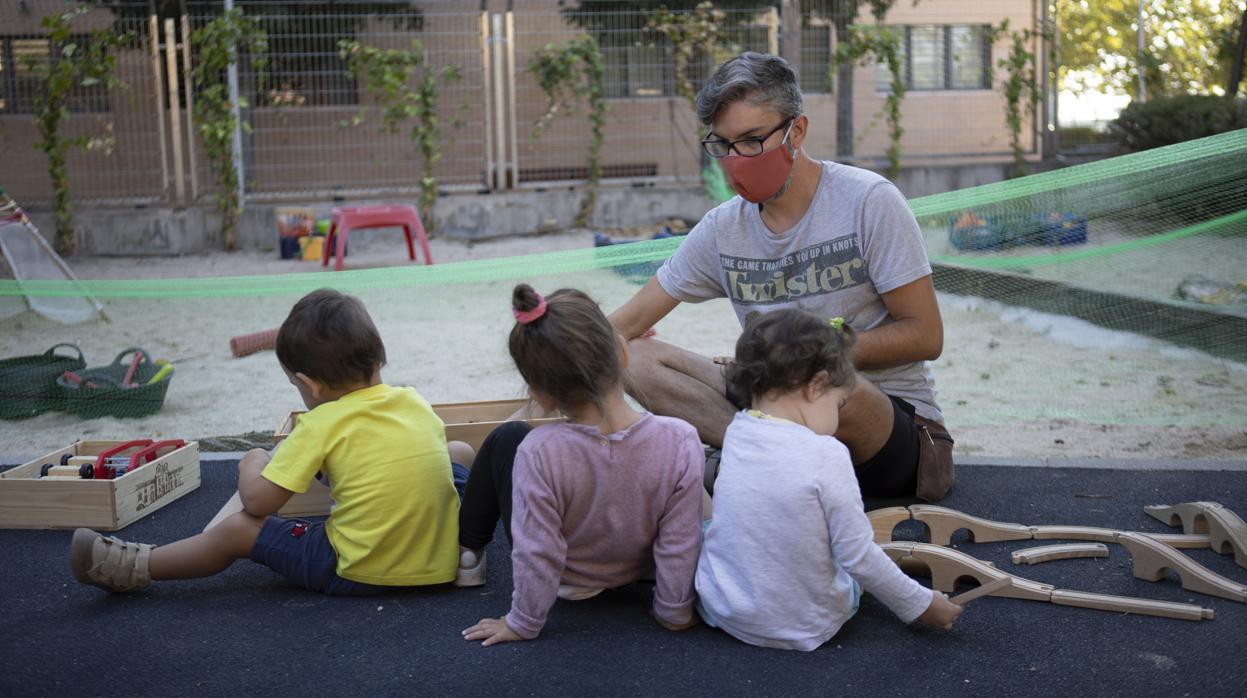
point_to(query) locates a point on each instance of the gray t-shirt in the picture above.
(857, 240)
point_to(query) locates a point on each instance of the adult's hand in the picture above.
(639, 315)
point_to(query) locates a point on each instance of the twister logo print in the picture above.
(823, 268)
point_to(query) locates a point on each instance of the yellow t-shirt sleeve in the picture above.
(298, 458)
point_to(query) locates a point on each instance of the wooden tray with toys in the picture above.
(104, 485)
(469, 422)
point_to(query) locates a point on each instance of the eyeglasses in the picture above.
(745, 147)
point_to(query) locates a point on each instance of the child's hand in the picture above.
(492, 630)
(692, 621)
(941, 613)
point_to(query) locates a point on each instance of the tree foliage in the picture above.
(694, 34)
(1189, 45)
(1170, 120)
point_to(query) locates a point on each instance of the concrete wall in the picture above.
(166, 231)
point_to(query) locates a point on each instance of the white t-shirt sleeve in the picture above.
(692, 274)
(853, 541)
(895, 251)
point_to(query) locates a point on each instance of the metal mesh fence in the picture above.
(651, 133)
(302, 143)
(305, 101)
(122, 159)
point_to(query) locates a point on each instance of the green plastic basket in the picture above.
(108, 398)
(28, 383)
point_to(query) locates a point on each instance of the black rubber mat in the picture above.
(248, 632)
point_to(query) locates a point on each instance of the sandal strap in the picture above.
(125, 565)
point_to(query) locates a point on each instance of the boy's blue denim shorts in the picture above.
(300, 551)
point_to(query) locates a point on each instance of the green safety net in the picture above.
(1134, 202)
(1126, 276)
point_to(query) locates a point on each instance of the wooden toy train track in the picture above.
(1205, 525)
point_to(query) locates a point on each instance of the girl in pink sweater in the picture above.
(609, 497)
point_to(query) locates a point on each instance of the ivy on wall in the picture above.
(386, 75)
(218, 44)
(73, 63)
(871, 44)
(1020, 87)
(561, 72)
(697, 35)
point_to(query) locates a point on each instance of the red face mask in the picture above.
(760, 177)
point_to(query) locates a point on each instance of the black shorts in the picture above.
(893, 471)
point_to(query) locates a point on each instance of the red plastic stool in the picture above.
(348, 218)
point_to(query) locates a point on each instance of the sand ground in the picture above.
(1012, 383)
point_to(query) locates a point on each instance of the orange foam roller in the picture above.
(251, 343)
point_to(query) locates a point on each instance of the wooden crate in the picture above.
(28, 501)
(469, 422)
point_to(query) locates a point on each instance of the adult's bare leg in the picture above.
(865, 420)
(675, 382)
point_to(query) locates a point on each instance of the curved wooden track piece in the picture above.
(884, 521)
(1061, 551)
(918, 568)
(947, 566)
(1150, 558)
(943, 522)
(1109, 535)
(1227, 532)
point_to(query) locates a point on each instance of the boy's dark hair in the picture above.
(784, 349)
(330, 337)
(570, 352)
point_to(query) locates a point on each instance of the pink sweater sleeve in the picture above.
(538, 550)
(679, 538)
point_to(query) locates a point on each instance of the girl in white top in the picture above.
(790, 548)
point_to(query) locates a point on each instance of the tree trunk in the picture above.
(844, 93)
(1236, 68)
(790, 35)
(65, 234)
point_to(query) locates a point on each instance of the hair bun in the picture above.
(524, 298)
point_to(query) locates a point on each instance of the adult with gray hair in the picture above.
(832, 239)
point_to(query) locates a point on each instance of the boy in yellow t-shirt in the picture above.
(383, 449)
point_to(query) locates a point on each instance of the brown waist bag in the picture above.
(935, 460)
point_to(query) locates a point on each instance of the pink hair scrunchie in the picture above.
(526, 316)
